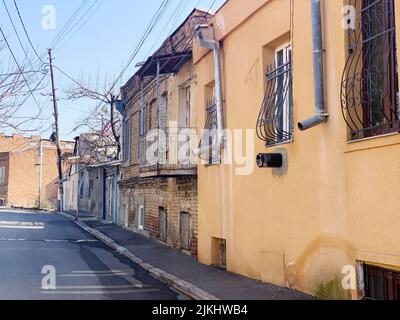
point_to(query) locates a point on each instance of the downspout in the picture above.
(321, 115)
(214, 45)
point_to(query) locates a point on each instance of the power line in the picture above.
(26, 32)
(82, 25)
(19, 67)
(159, 13)
(18, 37)
(70, 20)
(71, 29)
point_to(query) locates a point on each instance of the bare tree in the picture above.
(17, 86)
(102, 124)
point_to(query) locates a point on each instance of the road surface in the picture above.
(75, 265)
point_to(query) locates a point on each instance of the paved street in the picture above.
(85, 268)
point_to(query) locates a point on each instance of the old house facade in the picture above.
(159, 186)
(28, 171)
(91, 180)
(328, 202)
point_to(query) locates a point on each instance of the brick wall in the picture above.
(176, 195)
(27, 168)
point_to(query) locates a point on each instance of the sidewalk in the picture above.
(220, 284)
(83, 215)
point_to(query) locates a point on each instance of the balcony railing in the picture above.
(170, 150)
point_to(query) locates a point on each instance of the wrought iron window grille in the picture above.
(209, 150)
(275, 121)
(370, 89)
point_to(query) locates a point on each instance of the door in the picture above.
(185, 230)
(140, 217)
(222, 250)
(163, 224)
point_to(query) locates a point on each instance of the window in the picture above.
(184, 107)
(275, 121)
(142, 135)
(140, 217)
(381, 284)
(2, 175)
(143, 121)
(127, 130)
(370, 89)
(209, 151)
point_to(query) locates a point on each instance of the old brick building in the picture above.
(159, 182)
(28, 171)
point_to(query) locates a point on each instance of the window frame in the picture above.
(275, 123)
(287, 110)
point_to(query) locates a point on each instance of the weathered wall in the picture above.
(91, 198)
(337, 203)
(33, 173)
(176, 195)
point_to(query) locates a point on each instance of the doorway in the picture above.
(163, 225)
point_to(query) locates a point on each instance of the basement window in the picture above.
(370, 89)
(275, 121)
(381, 284)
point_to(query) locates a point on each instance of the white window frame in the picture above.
(140, 217)
(286, 113)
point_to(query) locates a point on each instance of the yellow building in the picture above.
(333, 205)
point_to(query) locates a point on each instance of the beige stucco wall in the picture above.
(338, 201)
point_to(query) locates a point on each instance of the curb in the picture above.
(181, 285)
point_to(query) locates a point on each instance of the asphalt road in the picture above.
(80, 267)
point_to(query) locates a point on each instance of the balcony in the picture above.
(168, 152)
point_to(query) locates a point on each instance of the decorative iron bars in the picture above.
(275, 121)
(370, 89)
(209, 150)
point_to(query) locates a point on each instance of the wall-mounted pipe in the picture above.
(214, 45)
(321, 115)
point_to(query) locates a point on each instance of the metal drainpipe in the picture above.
(215, 46)
(321, 116)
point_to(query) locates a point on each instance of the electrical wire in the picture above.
(26, 33)
(66, 25)
(31, 93)
(81, 26)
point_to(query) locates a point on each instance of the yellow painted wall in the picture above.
(338, 202)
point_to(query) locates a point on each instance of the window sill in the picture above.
(280, 144)
(373, 142)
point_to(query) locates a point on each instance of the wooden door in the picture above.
(185, 230)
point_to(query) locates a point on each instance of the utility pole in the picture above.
(57, 136)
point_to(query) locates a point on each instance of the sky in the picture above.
(99, 42)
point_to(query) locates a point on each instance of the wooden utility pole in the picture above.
(57, 136)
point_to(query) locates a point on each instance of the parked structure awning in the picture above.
(170, 63)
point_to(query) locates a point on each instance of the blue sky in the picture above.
(99, 49)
